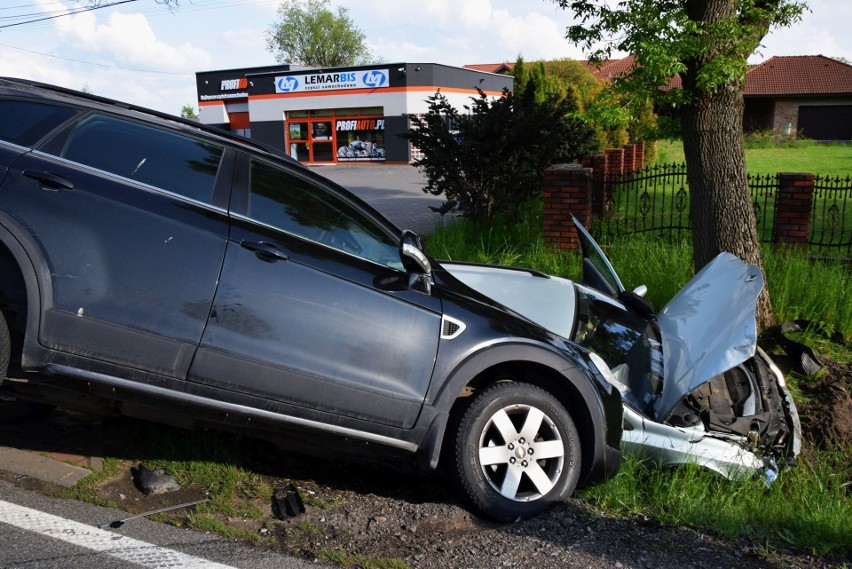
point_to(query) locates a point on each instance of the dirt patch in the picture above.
(826, 409)
(374, 518)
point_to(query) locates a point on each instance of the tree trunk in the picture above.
(720, 202)
(718, 184)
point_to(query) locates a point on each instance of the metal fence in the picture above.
(831, 216)
(656, 201)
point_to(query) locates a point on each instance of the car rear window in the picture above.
(174, 162)
(26, 122)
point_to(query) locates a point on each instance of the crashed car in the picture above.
(695, 386)
(156, 268)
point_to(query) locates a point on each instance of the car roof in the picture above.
(16, 86)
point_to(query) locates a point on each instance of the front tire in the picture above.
(517, 452)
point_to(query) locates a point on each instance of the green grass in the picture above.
(809, 506)
(800, 288)
(806, 156)
(86, 489)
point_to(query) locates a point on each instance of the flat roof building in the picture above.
(341, 114)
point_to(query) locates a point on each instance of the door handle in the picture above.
(49, 181)
(265, 251)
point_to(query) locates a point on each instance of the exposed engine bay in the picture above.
(747, 401)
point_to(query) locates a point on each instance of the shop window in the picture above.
(298, 131)
(360, 140)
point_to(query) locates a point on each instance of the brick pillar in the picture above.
(793, 209)
(630, 158)
(598, 165)
(640, 155)
(615, 161)
(566, 191)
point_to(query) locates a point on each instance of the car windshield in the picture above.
(628, 343)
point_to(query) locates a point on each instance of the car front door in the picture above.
(312, 309)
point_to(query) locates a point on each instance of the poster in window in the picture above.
(360, 140)
(322, 131)
(298, 131)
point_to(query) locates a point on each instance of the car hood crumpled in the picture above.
(708, 327)
(546, 300)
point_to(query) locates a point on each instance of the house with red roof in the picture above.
(806, 94)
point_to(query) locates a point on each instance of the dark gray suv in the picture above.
(152, 267)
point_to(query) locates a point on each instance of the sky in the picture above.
(142, 52)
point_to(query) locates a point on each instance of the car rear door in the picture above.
(132, 240)
(312, 308)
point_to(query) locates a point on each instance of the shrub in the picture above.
(491, 160)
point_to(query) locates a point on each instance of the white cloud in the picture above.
(459, 33)
(127, 38)
(230, 34)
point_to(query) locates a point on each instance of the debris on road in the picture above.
(154, 481)
(119, 523)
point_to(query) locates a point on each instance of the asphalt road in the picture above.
(47, 533)
(395, 190)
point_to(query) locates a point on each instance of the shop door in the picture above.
(322, 143)
(311, 140)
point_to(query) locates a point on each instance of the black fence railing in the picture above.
(764, 189)
(656, 200)
(831, 216)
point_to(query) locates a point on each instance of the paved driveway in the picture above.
(394, 190)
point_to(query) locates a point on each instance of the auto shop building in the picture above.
(342, 114)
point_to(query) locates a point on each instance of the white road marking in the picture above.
(102, 541)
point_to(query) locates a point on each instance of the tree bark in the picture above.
(721, 208)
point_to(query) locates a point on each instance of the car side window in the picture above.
(168, 160)
(297, 205)
(26, 122)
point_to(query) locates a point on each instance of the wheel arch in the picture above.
(528, 363)
(25, 282)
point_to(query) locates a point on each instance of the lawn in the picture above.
(827, 160)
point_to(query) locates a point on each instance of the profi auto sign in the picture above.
(370, 79)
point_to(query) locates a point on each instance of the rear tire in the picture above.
(12, 409)
(5, 346)
(516, 453)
